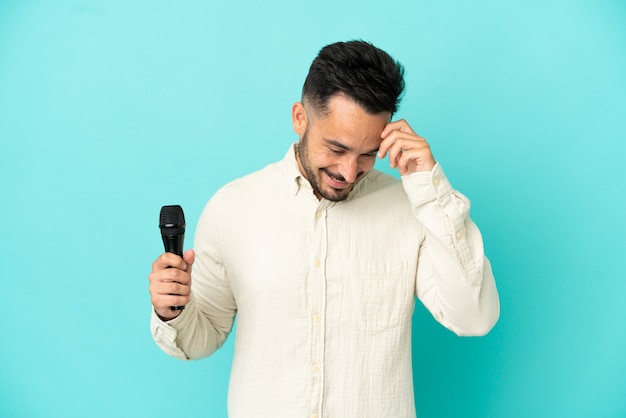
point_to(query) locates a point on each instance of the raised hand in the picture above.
(408, 152)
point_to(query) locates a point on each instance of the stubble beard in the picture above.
(302, 151)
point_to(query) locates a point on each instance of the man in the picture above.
(321, 256)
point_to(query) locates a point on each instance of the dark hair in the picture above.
(359, 70)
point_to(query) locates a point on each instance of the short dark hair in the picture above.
(360, 71)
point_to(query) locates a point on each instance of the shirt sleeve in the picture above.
(454, 278)
(205, 323)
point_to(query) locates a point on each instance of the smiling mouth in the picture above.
(336, 181)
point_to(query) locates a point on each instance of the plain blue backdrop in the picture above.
(111, 109)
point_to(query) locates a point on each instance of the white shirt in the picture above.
(324, 292)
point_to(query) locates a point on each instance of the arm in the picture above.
(454, 278)
(203, 326)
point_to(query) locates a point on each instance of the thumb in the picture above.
(189, 256)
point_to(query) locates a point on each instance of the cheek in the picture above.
(326, 159)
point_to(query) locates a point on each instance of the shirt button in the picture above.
(436, 181)
(459, 235)
(318, 214)
(315, 368)
(318, 263)
(317, 317)
(314, 416)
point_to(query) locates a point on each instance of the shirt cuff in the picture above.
(424, 187)
(166, 332)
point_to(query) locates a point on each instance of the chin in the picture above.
(336, 195)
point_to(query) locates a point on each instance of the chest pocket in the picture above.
(377, 295)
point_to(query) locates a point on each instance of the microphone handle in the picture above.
(174, 244)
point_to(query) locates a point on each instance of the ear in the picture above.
(299, 118)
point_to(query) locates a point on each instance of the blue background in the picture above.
(111, 109)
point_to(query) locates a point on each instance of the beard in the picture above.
(314, 176)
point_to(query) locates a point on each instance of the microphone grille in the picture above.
(172, 216)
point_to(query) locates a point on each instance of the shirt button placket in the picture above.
(319, 302)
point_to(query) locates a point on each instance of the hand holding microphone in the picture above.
(170, 279)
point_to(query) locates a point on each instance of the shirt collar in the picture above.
(292, 173)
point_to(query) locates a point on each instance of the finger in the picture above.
(165, 294)
(409, 152)
(417, 159)
(387, 143)
(399, 125)
(163, 303)
(396, 150)
(400, 145)
(168, 260)
(407, 162)
(170, 275)
(161, 289)
(170, 288)
(392, 132)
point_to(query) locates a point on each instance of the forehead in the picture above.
(348, 123)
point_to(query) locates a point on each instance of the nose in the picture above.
(350, 169)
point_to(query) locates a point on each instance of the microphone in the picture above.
(172, 225)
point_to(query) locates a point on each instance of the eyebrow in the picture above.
(346, 148)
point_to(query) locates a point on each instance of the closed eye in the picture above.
(337, 151)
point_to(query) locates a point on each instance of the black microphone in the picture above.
(172, 224)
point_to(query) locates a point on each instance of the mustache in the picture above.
(339, 177)
(336, 176)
